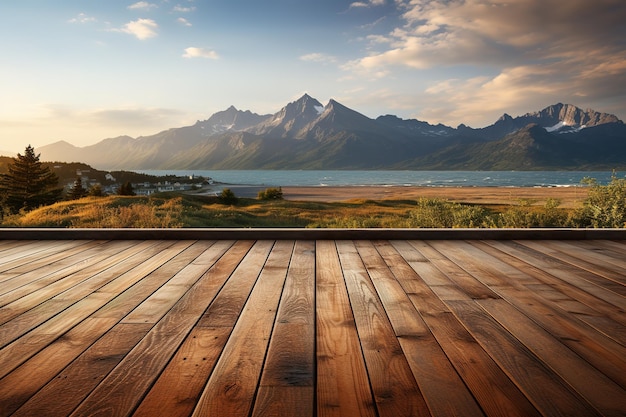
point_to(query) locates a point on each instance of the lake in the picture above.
(322, 178)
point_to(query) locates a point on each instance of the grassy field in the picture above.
(185, 210)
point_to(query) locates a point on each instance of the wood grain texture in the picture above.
(311, 327)
(231, 388)
(390, 375)
(342, 383)
(287, 386)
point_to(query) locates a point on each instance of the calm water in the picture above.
(398, 178)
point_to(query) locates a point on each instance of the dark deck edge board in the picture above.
(311, 234)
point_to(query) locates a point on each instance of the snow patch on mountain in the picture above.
(557, 126)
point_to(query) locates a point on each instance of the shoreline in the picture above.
(569, 197)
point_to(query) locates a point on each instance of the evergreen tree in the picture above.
(96, 191)
(28, 184)
(126, 189)
(77, 191)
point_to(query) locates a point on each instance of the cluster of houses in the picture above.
(112, 186)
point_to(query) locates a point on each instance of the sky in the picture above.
(86, 70)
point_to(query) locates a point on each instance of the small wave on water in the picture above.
(322, 178)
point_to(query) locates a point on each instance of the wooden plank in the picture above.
(615, 247)
(549, 393)
(38, 268)
(287, 386)
(495, 392)
(127, 298)
(342, 384)
(63, 393)
(179, 387)
(591, 344)
(600, 275)
(43, 290)
(557, 292)
(472, 259)
(398, 307)
(48, 255)
(225, 309)
(23, 382)
(121, 390)
(24, 249)
(568, 279)
(394, 387)
(70, 290)
(601, 392)
(492, 389)
(27, 345)
(231, 388)
(28, 282)
(600, 322)
(444, 391)
(421, 264)
(596, 254)
(6, 244)
(96, 358)
(464, 280)
(161, 301)
(600, 351)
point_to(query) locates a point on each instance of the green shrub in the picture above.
(227, 196)
(271, 193)
(524, 215)
(605, 205)
(438, 213)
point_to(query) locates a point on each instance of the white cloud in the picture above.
(142, 5)
(318, 57)
(370, 3)
(183, 21)
(495, 55)
(193, 52)
(182, 9)
(82, 18)
(141, 28)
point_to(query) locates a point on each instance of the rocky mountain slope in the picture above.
(308, 135)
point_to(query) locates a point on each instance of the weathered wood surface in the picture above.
(305, 327)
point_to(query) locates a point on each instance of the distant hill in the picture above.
(308, 135)
(67, 172)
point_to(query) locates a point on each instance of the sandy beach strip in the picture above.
(568, 196)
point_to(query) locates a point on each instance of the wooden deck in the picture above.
(312, 327)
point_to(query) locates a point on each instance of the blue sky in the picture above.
(85, 70)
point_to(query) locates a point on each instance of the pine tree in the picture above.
(126, 189)
(77, 191)
(28, 184)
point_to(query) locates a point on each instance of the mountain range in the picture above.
(306, 134)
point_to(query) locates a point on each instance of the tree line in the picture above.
(29, 184)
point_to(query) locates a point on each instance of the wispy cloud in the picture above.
(182, 9)
(526, 50)
(127, 117)
(318, 57)
(143, 5)
(183, 21)
(82, 18)
(366, 4)
(193, 52)
(141, 28)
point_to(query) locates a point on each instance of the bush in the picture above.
(271, 193)
(227, 196)
(524, 215)
(605, 206)
(437, 213)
